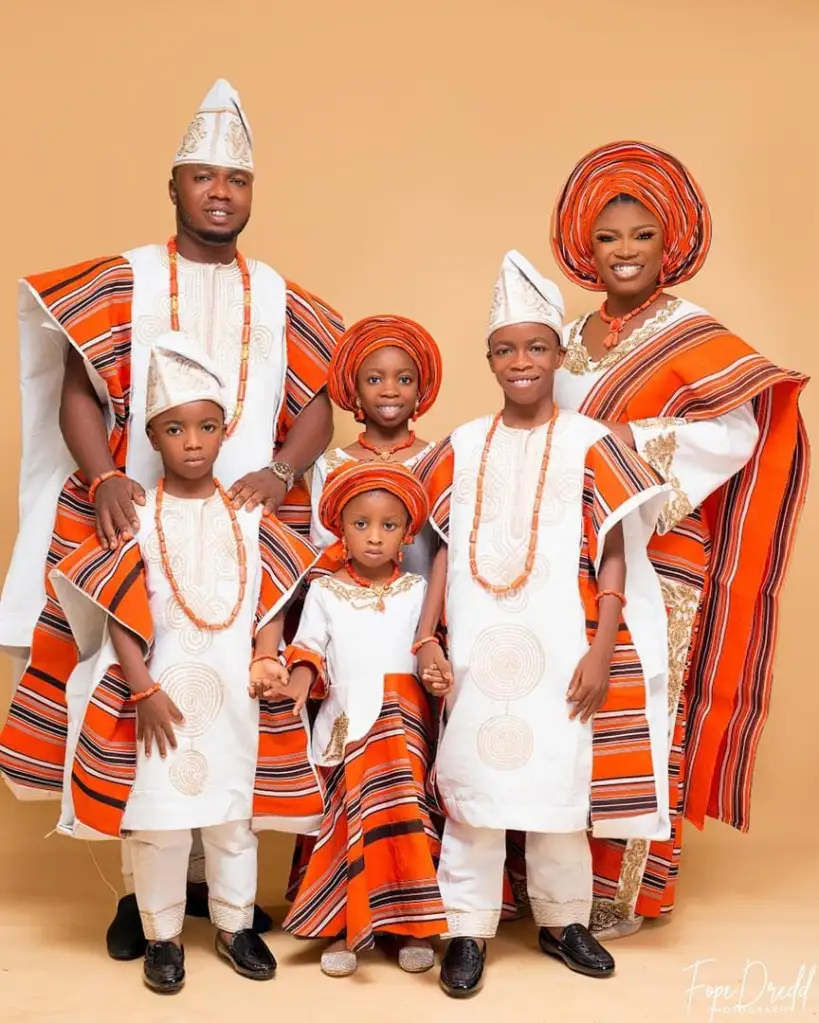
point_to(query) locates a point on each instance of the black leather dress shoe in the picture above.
(197, 906)
(164, 969)
(196, 901)
(262, 922)
(125, 938)
(579, 951)
(248, 955)
(462, 967)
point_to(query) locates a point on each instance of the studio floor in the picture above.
(740, 902)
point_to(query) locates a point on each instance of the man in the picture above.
(86, 336)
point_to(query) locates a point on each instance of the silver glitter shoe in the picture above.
(416, 959)
(338, 964)
(619, 929)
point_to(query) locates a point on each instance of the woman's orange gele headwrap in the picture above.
(651, 176)
(366, 337)
(354, 478)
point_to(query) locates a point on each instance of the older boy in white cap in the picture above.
(172, 626)
(555, 628)
(86, 335)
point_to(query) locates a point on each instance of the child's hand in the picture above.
(301, 682)
(155, 717)
(269, 679)
(589, 686)
(434, 669)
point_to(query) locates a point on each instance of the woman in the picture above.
(720, 423)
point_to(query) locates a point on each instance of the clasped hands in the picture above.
(271, 680)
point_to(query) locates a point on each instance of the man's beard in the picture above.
(209, 237)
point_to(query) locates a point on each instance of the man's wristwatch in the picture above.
(284, 472)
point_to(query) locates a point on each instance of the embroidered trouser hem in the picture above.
(470, 876)
(160, 873)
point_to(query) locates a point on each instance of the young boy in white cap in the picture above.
(556, 656)
(174, 626)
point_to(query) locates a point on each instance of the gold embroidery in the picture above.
(505, 742)
(659, 453)
(365, 599)
(238, 144)
(606, 912)
(658, 422)
(507, 662)
(338, 738)
(195, 134)
(577, 359)
(682, 602)
(197, 691)
(336, 457)
(189, 773)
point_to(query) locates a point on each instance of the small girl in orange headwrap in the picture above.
(372, 871)
(387, 371)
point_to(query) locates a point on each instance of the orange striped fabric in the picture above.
(104, 764)
(372, 868)
(736, 548)
(622, 768)
(697, 370)
(92, 303)
(368, 336)
(656, 179)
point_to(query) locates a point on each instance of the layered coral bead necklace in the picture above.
(534, 528)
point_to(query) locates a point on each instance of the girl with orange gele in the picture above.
(387, 371)
(372, 872)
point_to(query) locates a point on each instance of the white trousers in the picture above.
(160, 865)
(196, 865)
(470, 876)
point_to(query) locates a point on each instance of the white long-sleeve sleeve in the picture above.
(319, 536)
(696, 458)
(313, 632)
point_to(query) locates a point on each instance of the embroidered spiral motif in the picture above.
(505, 742)
(189, 773)
(552, 508)
(568, 485)
(194, 641)
(197, 691)
(464, 491)
(507, 662)
(223, 563)
(153, 555)
(516, 601)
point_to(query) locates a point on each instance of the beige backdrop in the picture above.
(401, 149)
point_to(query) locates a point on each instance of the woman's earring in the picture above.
(359, 411)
